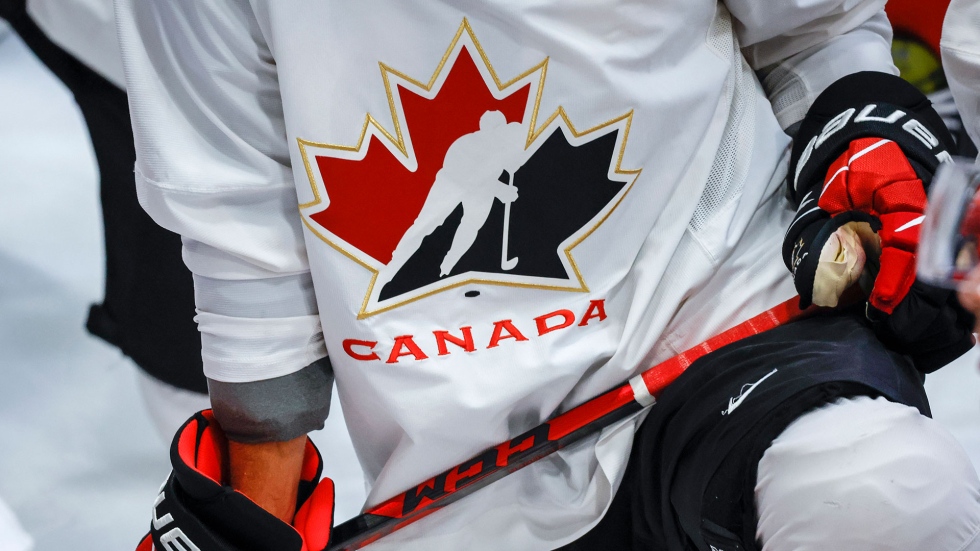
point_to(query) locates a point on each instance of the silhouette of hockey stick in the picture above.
(497, 462)
(507, 263)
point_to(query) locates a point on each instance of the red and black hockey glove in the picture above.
(195, 511)
(861, 166)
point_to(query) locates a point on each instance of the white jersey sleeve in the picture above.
(84, 28)
(801, 47)
(960, 46)
(213, 165)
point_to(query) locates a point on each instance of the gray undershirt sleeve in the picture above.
(277, 408)
(274, 410)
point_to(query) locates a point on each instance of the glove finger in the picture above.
(901, 194)
(895, 278)
(899, 235)
(900, 230)
(873, 176)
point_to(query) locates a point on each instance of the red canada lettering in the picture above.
(498, 333)
(597, 309)
(567, 316)
(466, 343)
(349, 345)
(448, 341)
(411, 349)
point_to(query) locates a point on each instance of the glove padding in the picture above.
(860, 168)
(871, 205)
(195, 511)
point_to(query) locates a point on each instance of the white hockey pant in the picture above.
(169, 407)
(867, 474)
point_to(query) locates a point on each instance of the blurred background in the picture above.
(81, 460)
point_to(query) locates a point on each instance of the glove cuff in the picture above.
(866, 104)
(196, 506)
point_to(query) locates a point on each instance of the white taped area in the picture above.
(81, 461)
(641, 393)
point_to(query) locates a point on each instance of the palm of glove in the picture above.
(870, 206)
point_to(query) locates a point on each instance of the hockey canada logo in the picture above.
(469, 187)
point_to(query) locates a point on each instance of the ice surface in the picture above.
(80, 462)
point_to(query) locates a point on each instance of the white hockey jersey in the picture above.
(505, 208)
(84, 28)
(960, 46)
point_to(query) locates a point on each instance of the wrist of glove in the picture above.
(861, 165)
(195, 510)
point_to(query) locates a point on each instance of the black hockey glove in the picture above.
(195, 511)
(861, 165)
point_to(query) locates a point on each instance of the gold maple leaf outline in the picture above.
(399, 143)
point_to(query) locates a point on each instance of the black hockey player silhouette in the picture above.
(470, 175)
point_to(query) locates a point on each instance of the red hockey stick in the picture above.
(495, 463)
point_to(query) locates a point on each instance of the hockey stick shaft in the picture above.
(507, 263)
(499, 461)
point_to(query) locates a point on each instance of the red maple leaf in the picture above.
(373, 201)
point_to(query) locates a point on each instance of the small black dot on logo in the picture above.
(471, 294)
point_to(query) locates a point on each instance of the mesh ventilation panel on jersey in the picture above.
(729, 168)
(788, 94)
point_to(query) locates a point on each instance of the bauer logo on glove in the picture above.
(863, 160)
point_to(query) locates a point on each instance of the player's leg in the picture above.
(475, 212)
(865, 473)
(442, 199)
(169, 406)
(692, 477)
